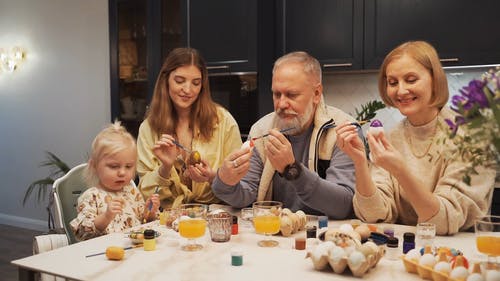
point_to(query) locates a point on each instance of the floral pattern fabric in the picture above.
(93, 202)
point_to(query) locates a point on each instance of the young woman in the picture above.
(112, 204)
(182, 112)
(412, 180)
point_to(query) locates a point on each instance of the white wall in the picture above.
(56, 101)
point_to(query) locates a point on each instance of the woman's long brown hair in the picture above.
(163, 117)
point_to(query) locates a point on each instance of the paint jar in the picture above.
(392, 249)
(236, 257)
(300, 243)
(149, 240)
(408, 241)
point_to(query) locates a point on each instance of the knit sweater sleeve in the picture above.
(461, 204)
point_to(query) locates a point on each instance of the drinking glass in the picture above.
(487, 231)
(194, 226)
(266, 220)
(246, 215)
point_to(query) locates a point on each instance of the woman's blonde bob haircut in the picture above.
(112, 139)
(427, 56)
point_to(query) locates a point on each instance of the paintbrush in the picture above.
(357, 123)
(102, 253)
(281, 131)
(181, 146)
(150, 206)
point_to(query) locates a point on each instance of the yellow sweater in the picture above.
(460, 204)
(226, 138)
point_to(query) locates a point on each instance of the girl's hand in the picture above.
(235, 166)
(383, 154)
(115, 207)
(166, 151)
(350, 143)
(201, 172)
(154, 202)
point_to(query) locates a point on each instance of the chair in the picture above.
(66, 191)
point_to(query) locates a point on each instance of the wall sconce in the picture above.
(10, 60)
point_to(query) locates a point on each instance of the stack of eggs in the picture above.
(447, 265)
(342, 248)
(292, 222)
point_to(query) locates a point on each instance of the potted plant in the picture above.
(42, 188)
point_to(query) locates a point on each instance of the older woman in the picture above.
(412, 180)
(182, 112)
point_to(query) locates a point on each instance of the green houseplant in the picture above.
(41, 188)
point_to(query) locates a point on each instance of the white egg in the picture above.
(459, 272)
(427, 260)
(356, 258)
(337, 253)
(443, 267)
(247, 144)
(375, 131)
(346, 227)
(475, 277)
(413, 254)
(492, 275)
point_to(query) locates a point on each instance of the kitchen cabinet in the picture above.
(462, 31)
(142, 33)
(357, 34)
(225, 32)
(329, 30)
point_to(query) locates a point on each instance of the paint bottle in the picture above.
(149, 240)
(392, 248)
(234, 226)
(408, 241)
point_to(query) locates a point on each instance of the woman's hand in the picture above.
(350, 143)
(235, 166)
(166, 151)
(201, 172)
(384, 155)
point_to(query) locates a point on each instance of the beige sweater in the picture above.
(460, 204)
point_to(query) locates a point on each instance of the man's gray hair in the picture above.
(311, 65)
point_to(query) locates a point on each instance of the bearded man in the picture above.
(298, 162)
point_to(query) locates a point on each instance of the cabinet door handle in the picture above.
(348, 64)
(218, 67)
(450, 60)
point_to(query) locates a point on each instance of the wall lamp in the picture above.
(11, 59)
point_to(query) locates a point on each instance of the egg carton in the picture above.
(358, 258)
(428, 273)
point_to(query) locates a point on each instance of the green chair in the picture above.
(66, 191)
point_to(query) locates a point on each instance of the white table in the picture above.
(169, 262)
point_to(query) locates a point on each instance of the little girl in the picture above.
(112, 204)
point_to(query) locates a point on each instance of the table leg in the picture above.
(25, 274)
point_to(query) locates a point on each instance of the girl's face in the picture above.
(409, 86)
(184, 86)
(117, 170)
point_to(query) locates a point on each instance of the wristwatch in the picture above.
(292, 171)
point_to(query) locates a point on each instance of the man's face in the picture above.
(295, 96)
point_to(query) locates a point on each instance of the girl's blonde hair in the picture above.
(109, 141)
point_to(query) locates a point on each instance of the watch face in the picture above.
(292, 172)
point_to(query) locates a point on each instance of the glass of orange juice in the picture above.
(487, 230)
(192, 224)
(267, 220)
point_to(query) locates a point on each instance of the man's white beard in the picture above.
(297, 122)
